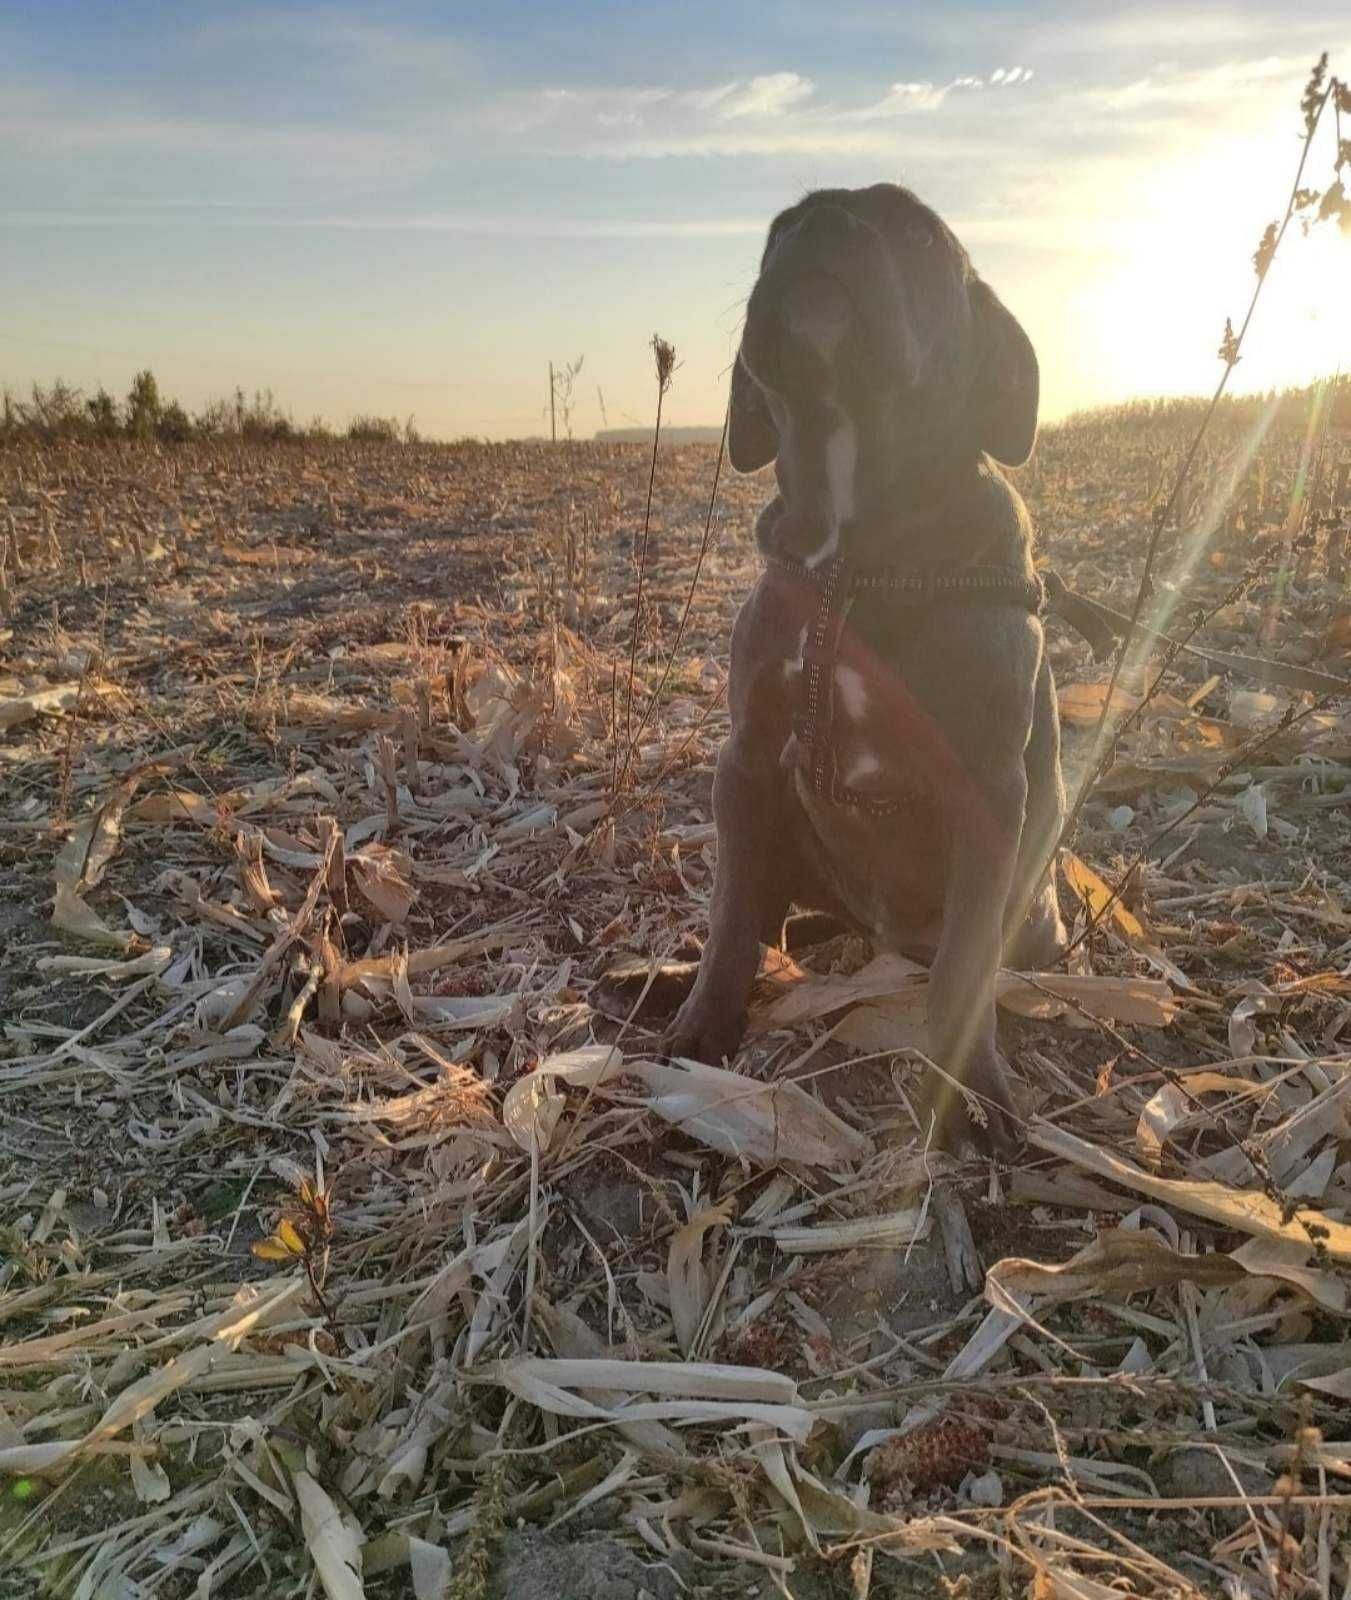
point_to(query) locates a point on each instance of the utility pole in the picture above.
(553, 424)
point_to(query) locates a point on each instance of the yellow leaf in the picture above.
(289, 1235)
(1177, 1103)
(1098, 897)
(271, 1250)
(284, 1245)
(1081, 703)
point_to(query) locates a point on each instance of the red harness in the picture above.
(837, 584)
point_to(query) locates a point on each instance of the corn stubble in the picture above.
(346, 1233)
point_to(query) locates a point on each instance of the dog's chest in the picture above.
(877, 824)
(871, 725)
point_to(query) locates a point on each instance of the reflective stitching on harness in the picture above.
(820, 651)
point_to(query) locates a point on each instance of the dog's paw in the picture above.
(980, 1116)
(703, 1032)
(1039, 944)
(970, 1126)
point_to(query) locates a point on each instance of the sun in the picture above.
(1183, 244)
(1306, 304)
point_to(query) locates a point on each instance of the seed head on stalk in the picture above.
(664, 355)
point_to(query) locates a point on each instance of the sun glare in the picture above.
(1308, 319)
(1183, 238)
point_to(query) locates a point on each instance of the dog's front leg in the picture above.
(751, 891)
(962, 978)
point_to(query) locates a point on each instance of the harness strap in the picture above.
(837, 584)
(819, 651)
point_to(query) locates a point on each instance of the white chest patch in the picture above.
(793, 665)
(853, 693)
(866, 766)
(841, 465)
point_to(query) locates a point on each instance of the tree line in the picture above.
(62, 411)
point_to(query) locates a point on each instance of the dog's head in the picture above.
(872, 351)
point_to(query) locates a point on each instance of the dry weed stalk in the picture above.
(654, 699)
(1317, 96)
(1096, 914)
(664, 357)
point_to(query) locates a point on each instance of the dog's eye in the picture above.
(918, 234)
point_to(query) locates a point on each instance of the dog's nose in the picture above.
(815, 311)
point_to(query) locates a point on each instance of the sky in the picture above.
(411, 209)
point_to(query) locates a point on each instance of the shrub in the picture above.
(374, 430)
(56, 410)
(61, 411)
(174, 425)
(102, 412)
(143, 405)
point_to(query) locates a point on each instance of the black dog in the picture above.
(894, 755)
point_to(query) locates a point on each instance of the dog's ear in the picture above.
(752, 439)
(1008, 383)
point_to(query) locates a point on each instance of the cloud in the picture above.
(904, 99)
(767, 96)
(1024, 156)
(776, 113)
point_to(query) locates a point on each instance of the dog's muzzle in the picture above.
(829, 282)
(816, 312)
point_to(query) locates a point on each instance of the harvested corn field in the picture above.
(358, 1240)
